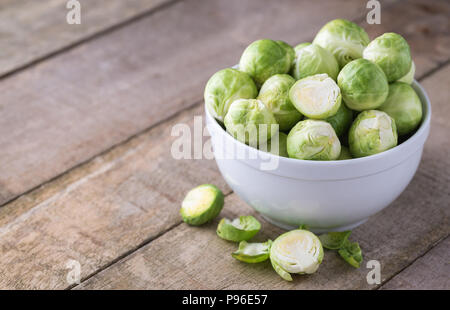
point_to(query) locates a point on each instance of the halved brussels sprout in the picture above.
(276, 147)
(224, 87)
(345, 153)
(342, 120)
(409, 77)
(264, 58)
(344, 39)
(253, 252)
(313, 59)
(274, 94)
(240, 229)
(404, 106)
(250, 121)
(351, 253)
(372, 132)
(297, 251)
(363, 85)
(201, 204)
(391, 52)
(334, 240)
(314, 140)
(317, 96)
(289, 51)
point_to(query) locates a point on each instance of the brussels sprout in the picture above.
(409, 77)
(274, 94)
(313, 59)
(298, 47)
(363, 85)
(289, 51)
(297, 251)
(342, 120)
(277, 147)
(201, 204)
(345, 153)
(226, 86)
(372, 132)
(249, 121)
(391, 52)
(240, 229)
(351, 253)
(314, 140)
(404, 106)
(344, 39)
(264, 58)
(253, 252)
(317, 96)
(334, 240)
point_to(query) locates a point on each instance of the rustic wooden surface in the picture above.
(86, 170)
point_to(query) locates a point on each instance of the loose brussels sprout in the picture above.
(344, 39)
(345, 153)
(351, 253)
(313, 59)
(342, 120)
(314, 140)
(409, 77)
(274, 94)
(372, 132)
(363, 85)
(289, 50)
(277, 147)
(253, 252)
(240, 229)
(334, 240)
(404, 106)
(317, 96)
(249, 121)
(226, 86)
(201, 204)
(264, 58)
(391, 52)
(297, 251)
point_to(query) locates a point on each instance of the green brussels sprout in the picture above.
(363, 85)
(201, 204)
(344, 39)
(274, 94)
(224, 87)
(314, 140)
(264, 58)
(342, 120)
(240, 229)
(289, 51)
(250, 121)
(404, 106)
(316, 97)
(276, 147)
(345, 153)
(351, 253)
(372, 132)
(253, 252)
(313, 59)
(391, 52)
(297, 251)
(334, 240)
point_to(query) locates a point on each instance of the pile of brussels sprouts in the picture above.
(318, 98)
(298, 251)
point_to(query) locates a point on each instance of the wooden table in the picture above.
(86, 174)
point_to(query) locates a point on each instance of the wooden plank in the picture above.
(430, 272)
(82, 102)
(190, 258)
(32, 30)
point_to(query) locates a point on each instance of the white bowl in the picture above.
(324, 195)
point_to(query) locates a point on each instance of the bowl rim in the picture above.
(420, 132)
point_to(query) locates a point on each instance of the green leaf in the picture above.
(252, 252)
(351, 253)
(334, 240)
(281, 272)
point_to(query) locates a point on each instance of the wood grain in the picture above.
(31, 30)
(64, 111)
(430, 272)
